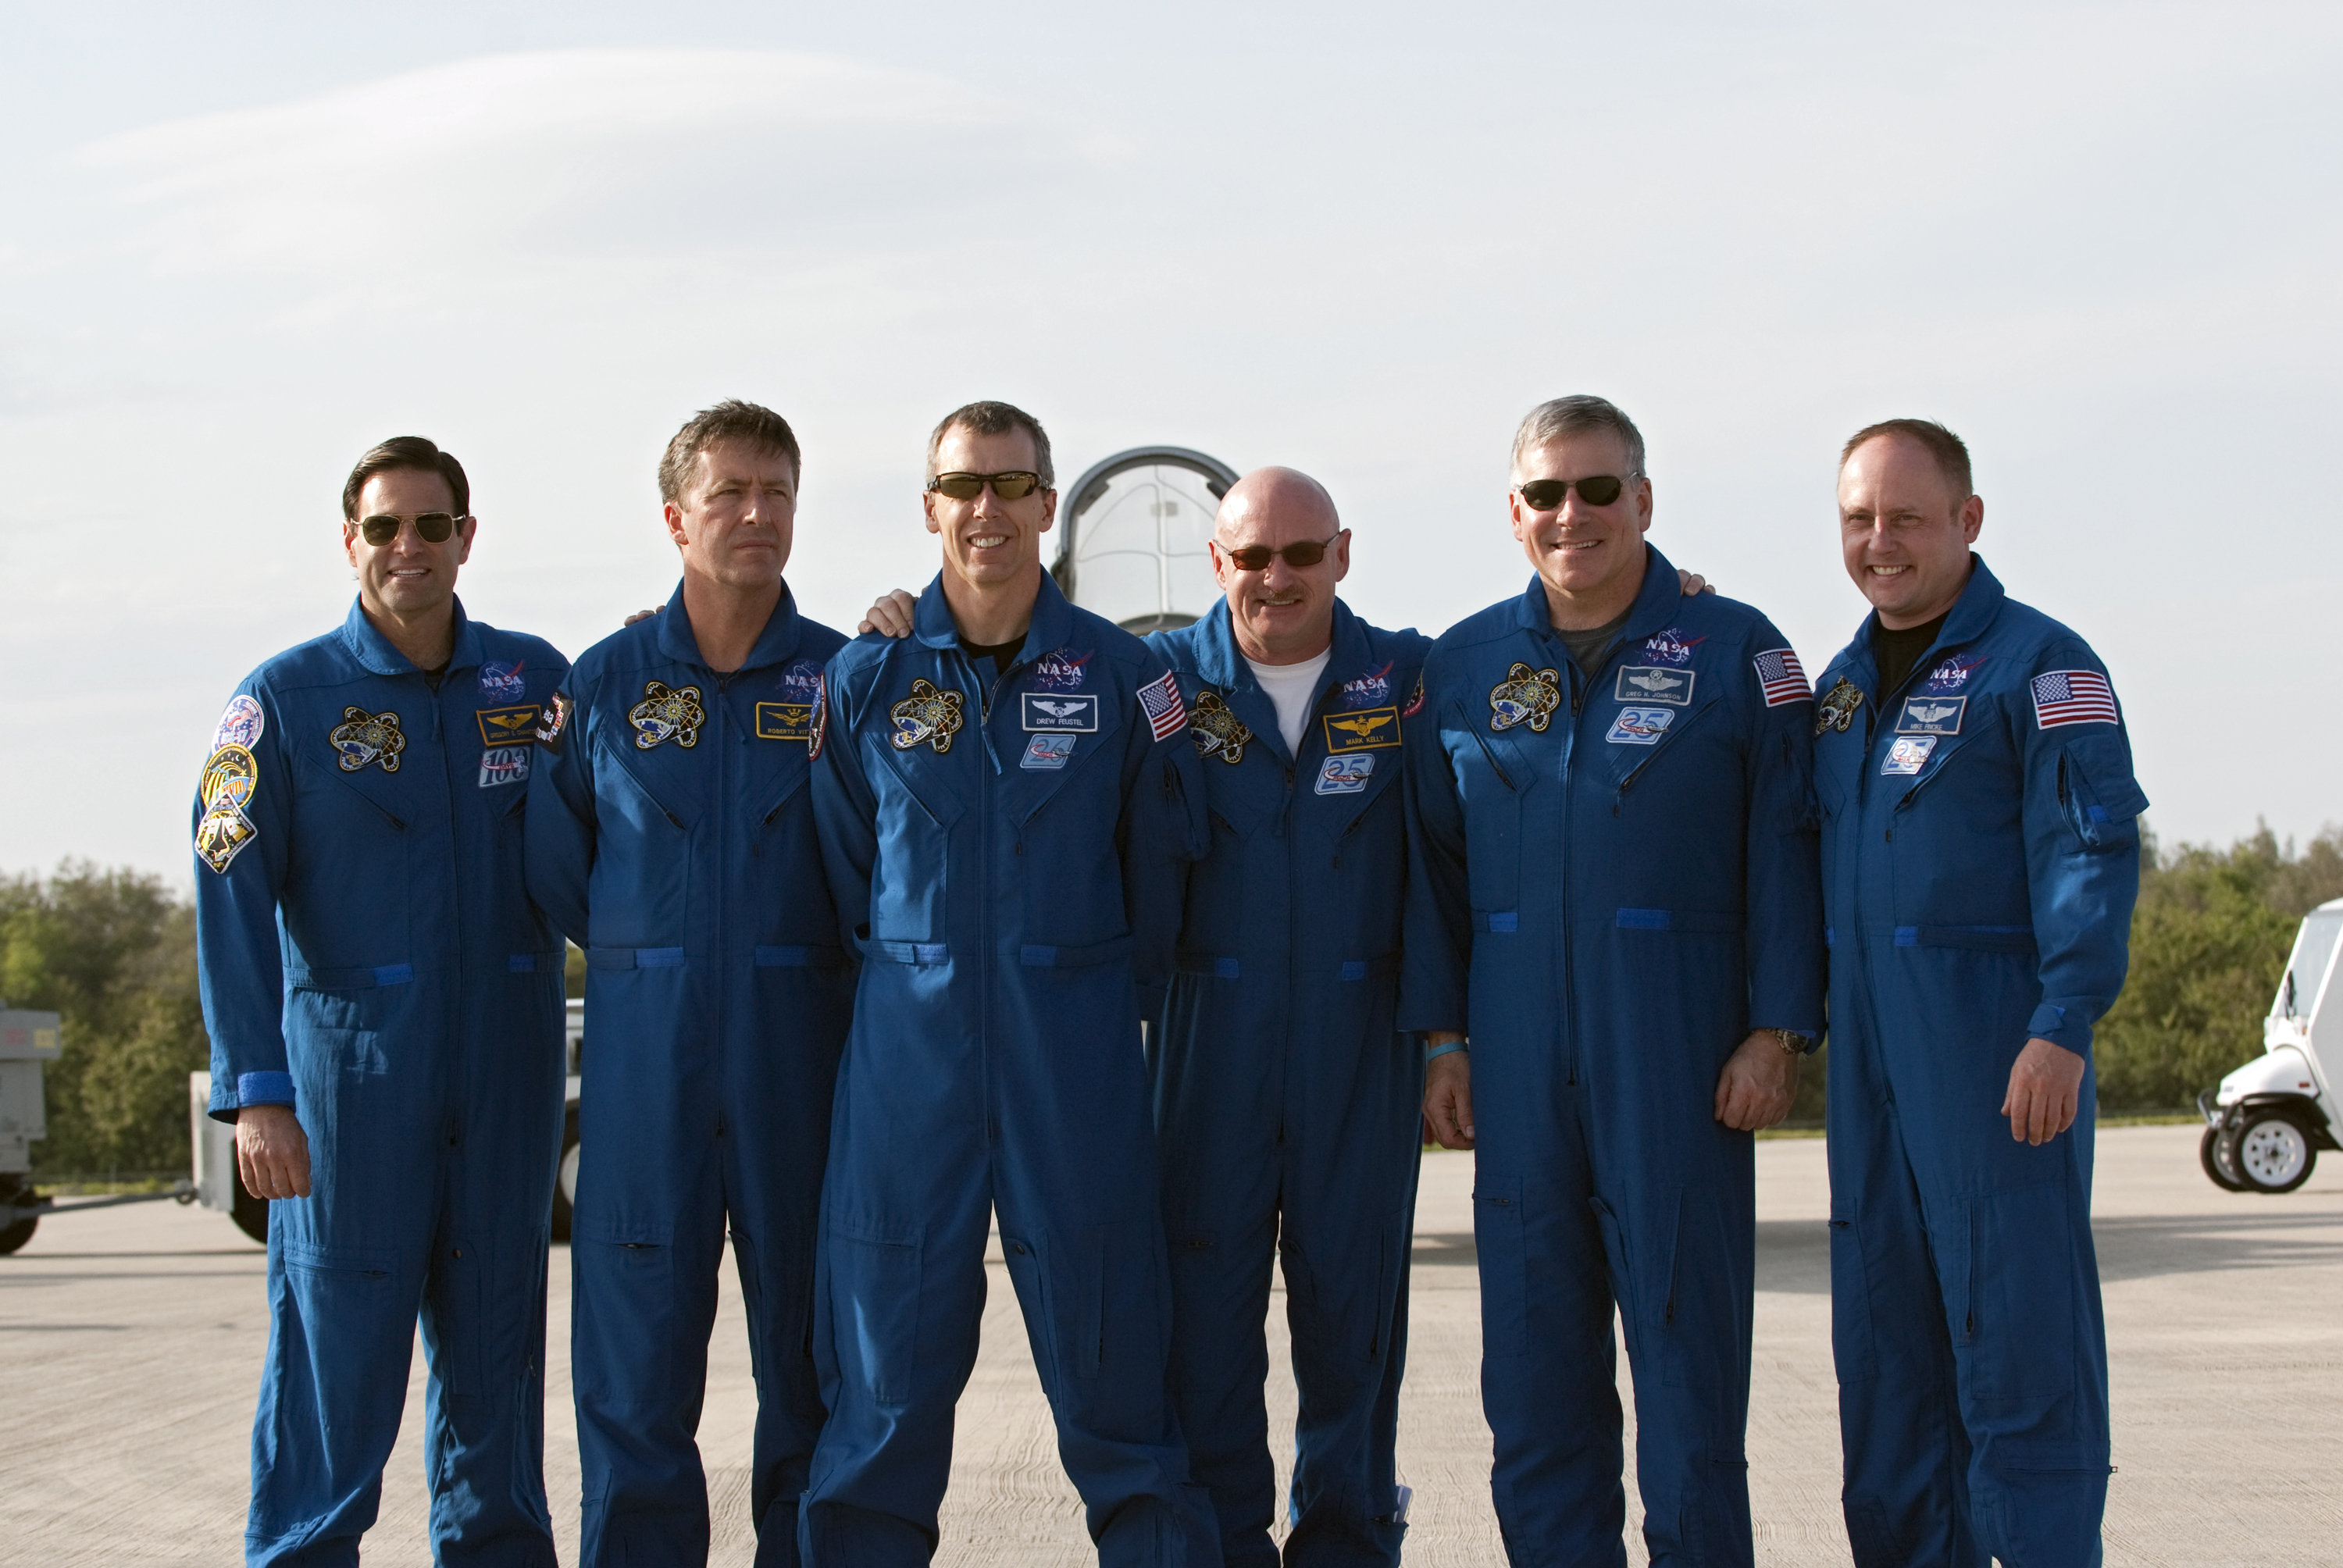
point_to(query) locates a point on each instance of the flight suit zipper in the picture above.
(1580, 685)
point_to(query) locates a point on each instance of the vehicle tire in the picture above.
(15, 1233)
(250, 1213)
(2273, 1153)
(2208, 1155)
(565, 1176)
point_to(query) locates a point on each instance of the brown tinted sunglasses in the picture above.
(1256, 557)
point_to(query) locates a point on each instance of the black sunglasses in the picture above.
(1013, 486)
(1256, 557)
(1595, 490)
(431, 528)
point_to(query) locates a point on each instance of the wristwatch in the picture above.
(1793, 1042)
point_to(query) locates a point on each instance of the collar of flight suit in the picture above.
(379, 654)
(1222, 662)
(1972, 615)
(1053, 620)
(779, 639)
(1657, 605)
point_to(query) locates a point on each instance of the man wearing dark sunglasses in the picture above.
(386, 1017)
(1614, 901)
(1006, 797)
(671, 835)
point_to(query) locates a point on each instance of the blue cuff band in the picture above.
(1430, 1051)
(264, 1089)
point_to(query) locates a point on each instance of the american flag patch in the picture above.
(1782, 678)
(1159, 700)
(2073, 697)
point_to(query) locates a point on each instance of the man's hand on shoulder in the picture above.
(642, 615)
(272, 1152)
(1691, 583)
(890, 616)
(2046, 1084)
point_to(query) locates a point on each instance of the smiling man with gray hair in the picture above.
(1614, 902)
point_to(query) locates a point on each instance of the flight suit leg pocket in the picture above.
(874, 1291)
(1500, 1237)
(356, 1331)
(1852, 1345)
(626, 1301)
(2017, 1331)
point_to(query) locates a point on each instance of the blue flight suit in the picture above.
(1005, 851)
(369, 955)
(1614, 882)
(1980, 858)
(1288, 1106)
(672, 836)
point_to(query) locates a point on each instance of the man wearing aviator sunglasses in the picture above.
(1006, 797)
(386, 1015)
(1615, 897)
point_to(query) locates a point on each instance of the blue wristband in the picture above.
(1432, 1051)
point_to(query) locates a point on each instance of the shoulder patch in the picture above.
(2073, 697)
(1158, 701)
(1781, 677)
(241, 724)
(231, 778)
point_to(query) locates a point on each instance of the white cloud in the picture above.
(583, 153)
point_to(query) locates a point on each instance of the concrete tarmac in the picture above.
(131, 1340)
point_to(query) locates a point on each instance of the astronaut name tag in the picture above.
(1370, 730)
(1931, 716)
(1649, 683)
(1056, 713)
(1047, 750)
(1346, 774)
(1640, 726)
(508, 726)
(785, 722)
(1908, 755)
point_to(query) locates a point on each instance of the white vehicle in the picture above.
(2266, 1124)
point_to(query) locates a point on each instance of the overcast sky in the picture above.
(238, 243)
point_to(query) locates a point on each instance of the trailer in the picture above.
(26, 1041)
(2266, 1122)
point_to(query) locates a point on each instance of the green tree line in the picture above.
(114, 952)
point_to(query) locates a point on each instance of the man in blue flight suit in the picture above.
(1006, 799)
(672, 836)
(1980, 857)
(385, 1012)
(1614, 894)
(1288, 1104)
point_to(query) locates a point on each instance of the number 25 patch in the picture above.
(1909, 754)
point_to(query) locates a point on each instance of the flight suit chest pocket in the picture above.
(1491, 773)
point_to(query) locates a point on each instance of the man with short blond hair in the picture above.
(671, 834)
(1980, 858)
